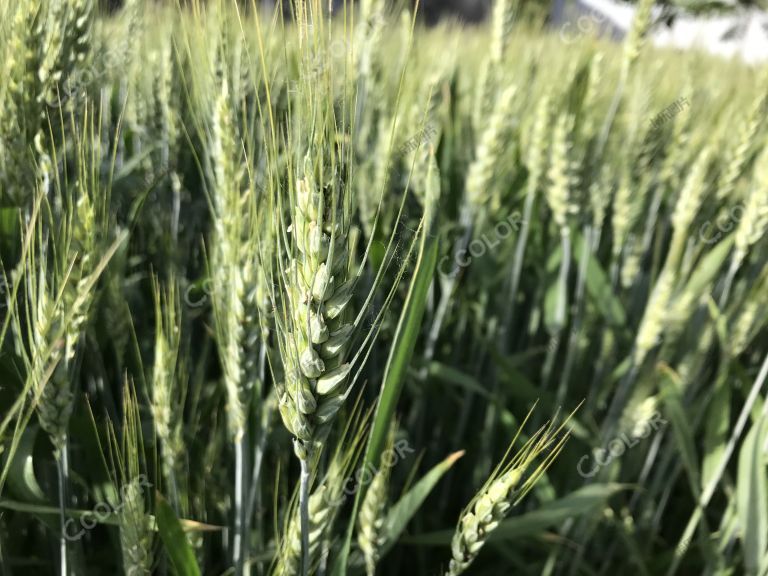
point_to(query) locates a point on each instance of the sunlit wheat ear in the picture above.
(639, 414)
(74, 270)
(68, 45)
(371, 520)
(687, 206)
(538, 147)
(559, 190)
(740, 154)
(236, 271)
(165, 125)
(749, 319)
(754, 220)
(503, 19)
(654, 317)
(635, 40)
(166, 405)
(624, 211)
(600, 196)
(26, 88)
(490, 149)
(632, 261)
(232, 256)
(596, 76)
(368, 36)
(508, 484)
(671, 172)
(426, 113)
(21, 114)
(492, 71)
(318, 289)
(380, 174)
(126, 456)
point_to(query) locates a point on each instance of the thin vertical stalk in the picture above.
(448, 287)
(240, 540)
(709, 490)
(561, 310)
(254, 494)
(62, 468)
(517, 264)
(619, 399)
(5, 566)
(174, 490)
(304, 515)
(576, 328)
(728, 283)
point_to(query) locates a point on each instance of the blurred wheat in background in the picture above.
(307, 289)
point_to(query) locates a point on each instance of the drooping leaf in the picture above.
(456, 377)
(405, 508)
(707, 269)
(176, 544)
(108, 519)
(556, 295)
(584, 501)
(671, 386)
(401, 352)
(21, 472)
(752, 497)
(716, 430)
(599, 287)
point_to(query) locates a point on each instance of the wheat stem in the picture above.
(240, 540)
(709, 489)
(62, 469)
(304, 515)
(573, 334)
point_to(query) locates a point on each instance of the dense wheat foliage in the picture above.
(308, 293)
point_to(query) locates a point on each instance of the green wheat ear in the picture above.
(128, 465)
(166, 391)
(316, 334)
(371, 518)
(506, 486)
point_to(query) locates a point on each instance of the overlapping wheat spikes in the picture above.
(279, 284)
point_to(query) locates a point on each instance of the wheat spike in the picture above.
(503, 490)
(489, 151)
(559, 192)
(56, 400)
(749, 319)
(133, 519)
(633, 44)
(316, 336)
(687, 206)
(371, 519)
(739, 156)
(166, 406)
(754, 221)
(233, 262)
(599, 197)
(655, 316)
(539, 144)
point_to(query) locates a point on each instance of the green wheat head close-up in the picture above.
(347, 289)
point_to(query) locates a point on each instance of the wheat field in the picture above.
(328, 291)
